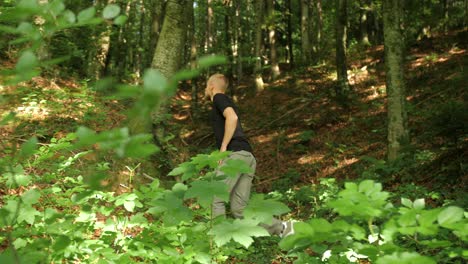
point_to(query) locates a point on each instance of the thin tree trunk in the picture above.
(305, 41)
(193, 59)
(238, 37)
(209, 28)
(275, 70)
(363, 21)
(157, 17)
(290, 54)
(259, 5)
(342, 87)
(394, 48)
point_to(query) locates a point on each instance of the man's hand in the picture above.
(223, 149)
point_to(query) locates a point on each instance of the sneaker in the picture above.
(288, 229)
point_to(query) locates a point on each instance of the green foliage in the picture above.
(369, 227)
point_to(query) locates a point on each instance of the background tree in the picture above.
(394, 48)
(342, 87)
(259, 7)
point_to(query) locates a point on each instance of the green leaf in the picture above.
(86, 14)
(405, 258)
(28, 148)
(406, 202)
(233, 167)
(111, 11)
(450, 215)
(28, 214)
(120, 20)
(129, 205)
(31, 197)
(264, 210)
(20, 243)
(57, 7)
(187, 169)
(205, 191)
(154, 83)
(137, 147)
(26, 62)
(7, 118)
(239, 230)
(61, 243)
(211, 60)
(69, 16)
(173, 209)
(29, 4)
(419, 204)
(86, 136)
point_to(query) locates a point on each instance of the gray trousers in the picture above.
(239, 192)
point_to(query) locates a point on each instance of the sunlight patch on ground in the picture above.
(310, 159)
(266, 138)
(427, 60)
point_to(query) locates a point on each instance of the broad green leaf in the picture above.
(264, 210)
(26, 62)
(239, 230)
(111, 11)
(69, 16)
(187, 169)
(139, 147)
(450, 215)
(233, 167)
(86, 136)
(154, 83)
(28, 214)
(17, 177)
(31, 197)
(57, 7)
(405, 258)
(205, 192)
(28, 4)
(20, 243)
(173, 210)
(185, 75)
(86, 14)
(61, 243)
(419, 204)
(129, 205)
(120, 20)
(406, 202)
(211, 60)
(7, 118)
(28, 147)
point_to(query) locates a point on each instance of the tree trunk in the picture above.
(363, 21)
(290, 55)
(193, 59)
(237, 51)
(169, 50)
(305, 32)
(342, 87)
(275, 70)
(157, 18)
(394, 48)
(259, 5)
(209, 28)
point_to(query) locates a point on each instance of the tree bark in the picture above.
(275, 70)
(209, 28)
(169, 50)
(259, 5)
(394, 48)
(305, 32)
(363, 21)
(342, 87)
(290, 55)
(157, 17)
(237, 51)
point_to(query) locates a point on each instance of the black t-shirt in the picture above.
(239, 140)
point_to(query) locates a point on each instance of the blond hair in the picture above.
(219, 80)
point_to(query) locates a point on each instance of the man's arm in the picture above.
(229, 127)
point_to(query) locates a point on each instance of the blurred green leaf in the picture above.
(29, 147)
(120, 20)
(405, 258)
(86, 14)
(31, 197)
(211, 60)
(69, 16)
(263, 210)
(450, 215)
(26, 62)
(111, 11)
(154, 82)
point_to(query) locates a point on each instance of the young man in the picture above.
(230, 137)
